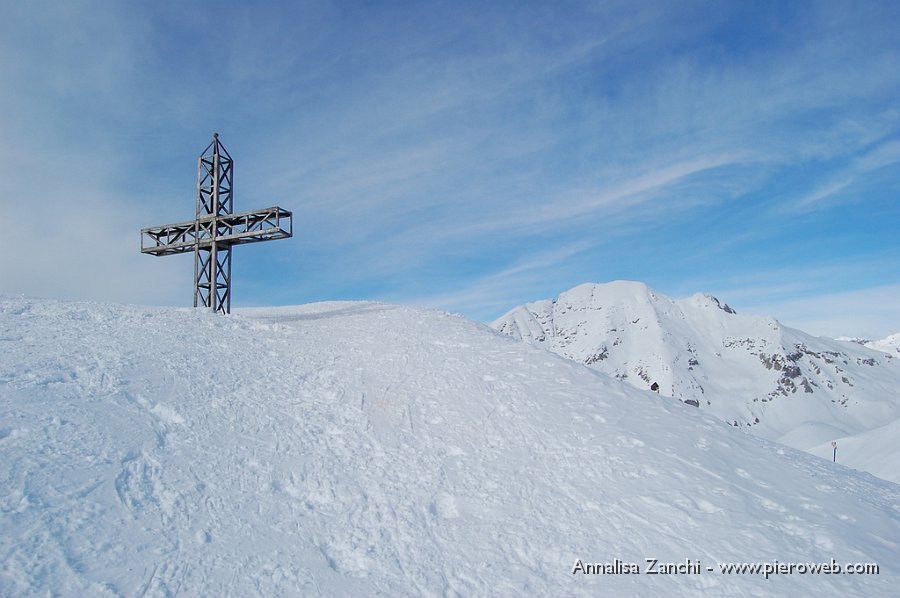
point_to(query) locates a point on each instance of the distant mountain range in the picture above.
(750, 371)
(890, 344)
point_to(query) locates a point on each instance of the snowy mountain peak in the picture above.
(622, 291)
(748, 370)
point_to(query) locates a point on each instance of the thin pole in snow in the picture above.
(834, 451)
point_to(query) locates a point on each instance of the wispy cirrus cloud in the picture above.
(497, 291)
(883, 154)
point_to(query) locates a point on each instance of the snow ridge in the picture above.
(368, 449)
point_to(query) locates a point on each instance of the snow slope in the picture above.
(368, 449)
(750, 371)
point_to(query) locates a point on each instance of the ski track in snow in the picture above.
(368, 449)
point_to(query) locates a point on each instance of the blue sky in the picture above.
(469, 156)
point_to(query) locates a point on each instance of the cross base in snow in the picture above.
(215, 230)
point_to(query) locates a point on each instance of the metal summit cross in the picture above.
(215, 230)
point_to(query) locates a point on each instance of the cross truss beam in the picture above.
(215, 230)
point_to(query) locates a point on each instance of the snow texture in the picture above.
(369, 449)
(749, 371)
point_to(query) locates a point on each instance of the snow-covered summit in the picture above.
(750, 371)
(705, 300)
(368, 449)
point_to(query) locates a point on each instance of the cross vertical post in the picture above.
(212, 283)
(216, 229)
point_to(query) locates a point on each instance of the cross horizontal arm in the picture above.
(224, 230)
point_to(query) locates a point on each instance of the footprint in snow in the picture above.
(444, 506)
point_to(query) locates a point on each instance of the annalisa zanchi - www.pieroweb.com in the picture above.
(652, 566)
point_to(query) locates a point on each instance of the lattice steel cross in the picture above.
(215, 229)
